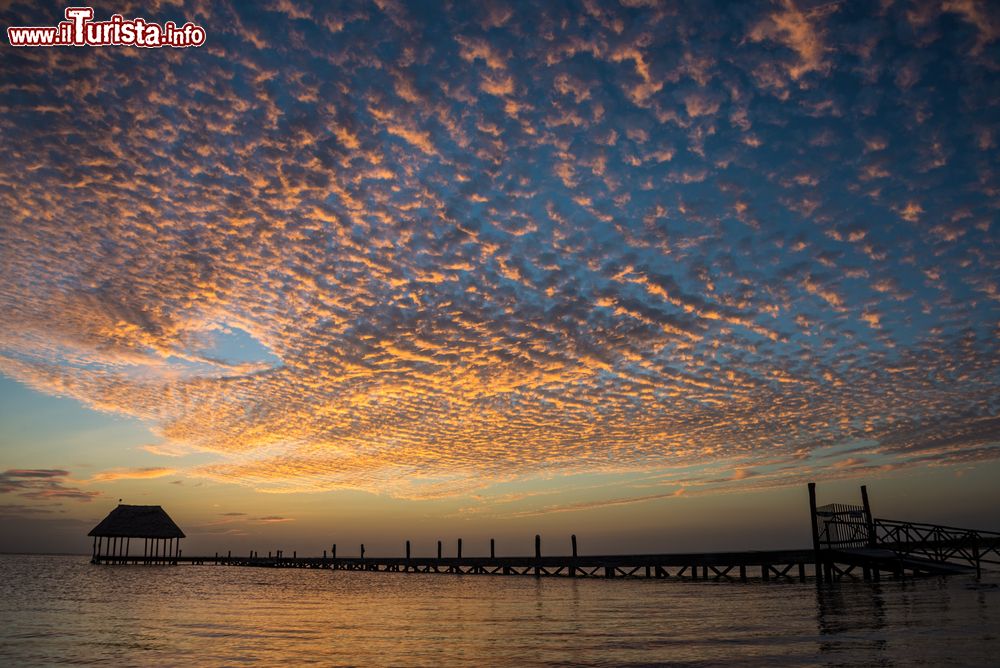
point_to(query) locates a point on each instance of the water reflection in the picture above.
(59, 609)
(851, 618)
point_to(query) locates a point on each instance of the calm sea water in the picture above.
(63, 610)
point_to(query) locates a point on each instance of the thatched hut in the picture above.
(113, 536)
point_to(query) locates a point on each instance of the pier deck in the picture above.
(847, 541)
(766, 565)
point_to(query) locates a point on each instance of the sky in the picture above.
(379, 270)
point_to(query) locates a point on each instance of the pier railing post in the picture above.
(493, 552)
(407, 550)
(869, 522)
(815, 532)
(459, 548)
(362, 551)
(439, 549)
(572, 567)
(538, 555)
(333, 552)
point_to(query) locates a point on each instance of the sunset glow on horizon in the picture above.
(499, 263)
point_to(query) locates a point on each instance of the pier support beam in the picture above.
(815, 532)
(869, 523)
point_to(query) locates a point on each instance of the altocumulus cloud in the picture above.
(480, 242)
(42, 485)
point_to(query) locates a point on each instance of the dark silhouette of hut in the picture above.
(112, 537)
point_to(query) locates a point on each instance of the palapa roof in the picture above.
(137, 522)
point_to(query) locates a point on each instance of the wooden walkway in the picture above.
(720, 566)
(847, 542)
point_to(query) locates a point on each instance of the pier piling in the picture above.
(815, 531)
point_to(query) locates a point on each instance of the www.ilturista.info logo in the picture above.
(80, 30)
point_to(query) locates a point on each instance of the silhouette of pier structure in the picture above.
(847, 542)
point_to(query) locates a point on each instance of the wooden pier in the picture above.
(847, 543)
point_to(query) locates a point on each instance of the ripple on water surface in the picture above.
(63, 610)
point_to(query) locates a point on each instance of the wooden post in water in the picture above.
(493, 552)
(869, 522)
(815, 532)
(459, 548)
(975, 555)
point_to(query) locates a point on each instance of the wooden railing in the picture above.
(842, 526)
(937, 542)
